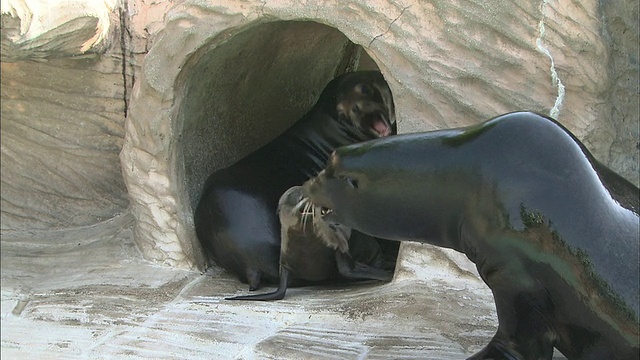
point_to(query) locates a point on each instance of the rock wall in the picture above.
(620, 31)
(213, 80)
(63, 112)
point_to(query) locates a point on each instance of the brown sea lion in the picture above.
(315, 251)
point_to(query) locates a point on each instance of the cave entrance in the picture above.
(241, 92)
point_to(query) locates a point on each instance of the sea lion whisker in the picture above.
(301, 204)
(308, 210)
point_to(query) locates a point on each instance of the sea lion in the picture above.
(552, 231)
(236, 220)
(316, 251)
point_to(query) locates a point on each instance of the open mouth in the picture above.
(306, 208)
(325, 211)
(379, 125)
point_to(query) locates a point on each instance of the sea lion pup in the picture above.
(315, 251)
(236, 220)
(552, 231)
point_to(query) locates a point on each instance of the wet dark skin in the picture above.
(552, 231)
(320, 256)
(236, 220)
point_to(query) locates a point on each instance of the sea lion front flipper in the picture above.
(285, 280)
(494, 351)
(351, 269)
(523, 307)
(497, 349)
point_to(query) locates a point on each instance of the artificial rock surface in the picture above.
(448, 64)
(113, 114)
(191, 86)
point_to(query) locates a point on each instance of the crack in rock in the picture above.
(555, 79)
(389, 27)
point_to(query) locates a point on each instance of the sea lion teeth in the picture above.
(324, 211)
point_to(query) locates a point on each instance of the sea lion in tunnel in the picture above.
(236, 220)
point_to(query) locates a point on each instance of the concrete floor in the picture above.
(88, 294)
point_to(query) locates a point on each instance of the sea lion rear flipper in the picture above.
(285, 280)
(351, 269)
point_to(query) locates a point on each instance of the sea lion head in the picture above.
(363, 100)
(353, 194)
(383, 188)
(299, 215)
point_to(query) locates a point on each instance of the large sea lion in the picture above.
(552, 231)
(315, 251)
(236, 220)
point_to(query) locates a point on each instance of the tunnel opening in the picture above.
(247, 90)
(238, 93)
